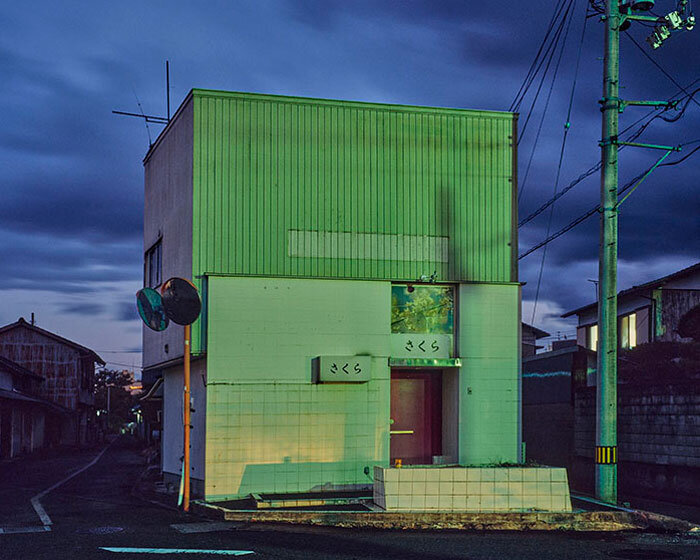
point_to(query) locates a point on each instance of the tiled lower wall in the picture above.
(475, 489)
(280, 438)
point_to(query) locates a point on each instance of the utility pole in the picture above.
(619, 14)
(606, 371)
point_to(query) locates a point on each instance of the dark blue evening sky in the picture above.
(72, 196)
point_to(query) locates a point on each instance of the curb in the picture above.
(597, 521)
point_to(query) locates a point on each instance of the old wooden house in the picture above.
(67, 372)
(27, 422)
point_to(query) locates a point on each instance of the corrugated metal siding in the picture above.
(275, 177)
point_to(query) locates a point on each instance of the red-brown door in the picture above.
(416, 414)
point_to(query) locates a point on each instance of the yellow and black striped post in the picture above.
(606, 455)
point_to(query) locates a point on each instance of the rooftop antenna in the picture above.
(152, 118)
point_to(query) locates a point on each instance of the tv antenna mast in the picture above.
(152, 118)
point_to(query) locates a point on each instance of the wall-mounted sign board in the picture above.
(342, 369)
(421, 345)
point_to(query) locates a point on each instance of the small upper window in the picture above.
(153, 265)
(592, 337)
(627, 330)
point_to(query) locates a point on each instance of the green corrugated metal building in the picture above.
(357, 264)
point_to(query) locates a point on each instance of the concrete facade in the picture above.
(294, 271)
(269, 428)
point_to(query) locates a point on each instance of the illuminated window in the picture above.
(153, 264)
(592, 337)
(628, 331)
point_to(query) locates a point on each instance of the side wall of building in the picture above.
(168, 217)
(490, 389)
(173, 407)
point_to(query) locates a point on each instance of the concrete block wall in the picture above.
(656, 424)
(480, 489)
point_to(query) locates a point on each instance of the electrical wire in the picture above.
(564, 24)
(534, 144)
(673, 80)
(567, 126)
(544, 114)
(596, 209)
(125, 365)
(555, 14)
(598, 6)
(590, 171)
(683, 109)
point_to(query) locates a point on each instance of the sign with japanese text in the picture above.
(421, 345)
(344, 369)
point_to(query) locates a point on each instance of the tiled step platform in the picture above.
(447, 488)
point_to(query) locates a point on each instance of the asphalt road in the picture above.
(97, 509)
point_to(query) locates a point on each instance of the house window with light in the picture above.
(627, 331)
(592, 337)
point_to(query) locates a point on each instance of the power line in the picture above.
(654, 114)
(592, 211)
(544, 114)
(564, 24)
(125, 365)
(567, 126)
(529, 77)
(673, 80)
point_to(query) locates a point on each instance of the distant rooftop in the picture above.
(21, 322)
(642, 287)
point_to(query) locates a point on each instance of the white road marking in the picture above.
(177, 551)
(29, 529)
(36, 504)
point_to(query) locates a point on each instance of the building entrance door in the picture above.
(416, 416)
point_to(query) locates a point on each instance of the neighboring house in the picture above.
(530, 336)
(549, 383)
(25, 418)
(650, 312)
(67, 370)
(358, 269)
(559, 414)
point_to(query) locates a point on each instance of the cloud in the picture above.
(127, 311)
(64, 265)
(89, 309)
(72, 204)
